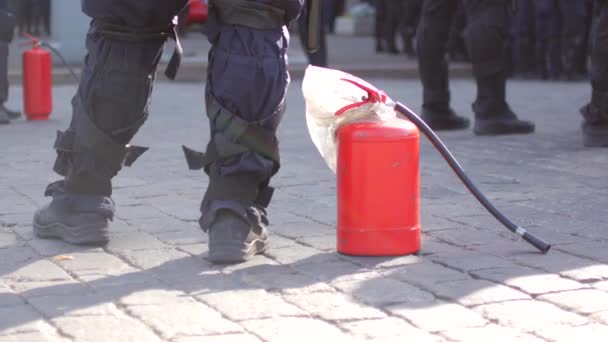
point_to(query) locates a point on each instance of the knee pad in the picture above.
(486, 36)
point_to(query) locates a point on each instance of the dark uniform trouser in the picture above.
(522, 32)
(598, 113)
(485, 37)
(112, 102)
(3, 71)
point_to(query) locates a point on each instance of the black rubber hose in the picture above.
(58, 54)
(449, 158)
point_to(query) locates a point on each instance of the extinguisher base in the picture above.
(393, 242)
(30, 117)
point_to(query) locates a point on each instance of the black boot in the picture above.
(76, 219)
(233, 240)
(492, 114)
(10, 113)
(4, 118)
(444, 120)
(595, 124)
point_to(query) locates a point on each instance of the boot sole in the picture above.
(228, 253)
(92, 234)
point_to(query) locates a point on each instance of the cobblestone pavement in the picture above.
(472, 282)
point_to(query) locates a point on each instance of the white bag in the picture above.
(334, 98)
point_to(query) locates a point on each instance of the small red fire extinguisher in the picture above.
(37, 81)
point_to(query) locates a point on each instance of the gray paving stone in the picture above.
(16, 256)
(381, 292)
(439, 316)
(489, 332)
(564, 333)
(197, 249)
(426, 274)
(280, 278)
(8, 297)
(333, 306)
(96, 263)
(528, 280)
(529, 316)
(136, 212)
(383, 262)
(185, 318)
(388, 329)
(154, 296)
(183, 237)
(250, 304)
(74, 305)
(601, 285)
(295, 329)
(133, 241)
(39, 270)
(7, 239)
(105, 328)
(297, 254)
(220, 338)
(20, 319)
(165, 262)
(585, 301)
(322, 243)
(330, 270)
(29, 289)
(471, 261)
(50, 248)
(566, 265)
(33, 337)
(475, 292)
(590, 249)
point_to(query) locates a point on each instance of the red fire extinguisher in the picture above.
(37, 81)
(378, 188)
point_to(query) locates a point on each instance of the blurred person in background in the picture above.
(595, 113)
(8, 22)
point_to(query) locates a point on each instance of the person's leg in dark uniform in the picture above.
(456, 46)
(432, 36)
(573, 16)
(595, 113)
(319, 57)
(7, 27)
(522, 32)
(379, 20)
(548, 39)
(486, 34)
(410, 18)
(124, 45)
(392, 19)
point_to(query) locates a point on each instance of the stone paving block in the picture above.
(33, 337)
(20, 319)
(29, 289)
(470, 261)
(24, 232)
(439, 316)
(475, 292)
(383, 262)
(564, 333)
(585, 301)
(296, 329)
(75, 305)
(197, 249)
(528, 280)
(39, 270)
(601, 285)
(381, 292)
(7, 240)
(323, 243)
(567, 265)
(165, 262)
(280, 278)
(8, 297)
(528, 315)
(183, 237)
(466, 237)
(185, 318)
(333, 306)
(51, 248)
(434, 247)
(329, 271)
(388, 329)
(136, 212)
(95, 263)
(278, 241)
(590, 249)
(133, 241)
(16, 256)
(426, 274)
(220, 338)
(297, 254)
(162, 224)
(105, 328)
(154, 296)
(250, 304)
(300, 228)
(490, 332)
